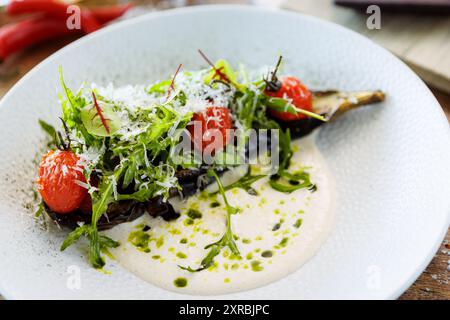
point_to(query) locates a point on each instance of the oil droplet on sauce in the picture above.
(180, 282)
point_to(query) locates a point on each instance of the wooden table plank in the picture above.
(434, 282)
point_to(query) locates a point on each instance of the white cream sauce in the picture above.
(304, 217)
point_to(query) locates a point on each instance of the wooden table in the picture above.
(434, 283)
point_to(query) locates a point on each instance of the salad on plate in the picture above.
(206, 182)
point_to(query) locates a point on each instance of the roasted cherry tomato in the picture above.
(292, 89)
(211, 131)
(57, 182)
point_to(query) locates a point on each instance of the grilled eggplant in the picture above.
(331, 104)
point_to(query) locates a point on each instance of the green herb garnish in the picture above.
(227, 239)
(282, 105)
(244, 183)
(283, 181)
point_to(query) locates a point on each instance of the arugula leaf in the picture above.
(100, 202)
(160, 87)
(244, 183)
(75, 235)
(70, 96)
(48, 128)
(71, 108)
(141, 195)
(248, 104)
(251, 112)
(285, 149)
(129, 174)
(282, 105)
(295, 181)
(227, 239)
(90, 232)
(56, 139)
(40, 210)
(106, 242)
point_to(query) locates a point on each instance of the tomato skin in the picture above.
(292, 88)
(58, 172)
(214, 120)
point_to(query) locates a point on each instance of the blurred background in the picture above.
(417, 31)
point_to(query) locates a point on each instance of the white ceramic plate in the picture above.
(391, 162)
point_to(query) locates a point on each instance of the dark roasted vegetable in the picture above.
(127, 210)
(156, 207)
(118, 212)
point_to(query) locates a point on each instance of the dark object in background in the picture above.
(418, 6)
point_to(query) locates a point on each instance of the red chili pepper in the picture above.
(51, 23)
(54, 9)
(23, 34)
(88, 21)
(107, 14)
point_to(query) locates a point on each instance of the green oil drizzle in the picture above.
(180, 282)
(267, 254)
(140, 240)
(194, 214)
(160, 242)
(256, 266)
(284, 242)
(174, 231)
(214, 204)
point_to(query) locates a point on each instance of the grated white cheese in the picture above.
(82, 184)
(147, 163)
(90, 156)
(132, 102)
(129, 96)
(114, 184)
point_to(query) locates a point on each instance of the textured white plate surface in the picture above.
(391, 161)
